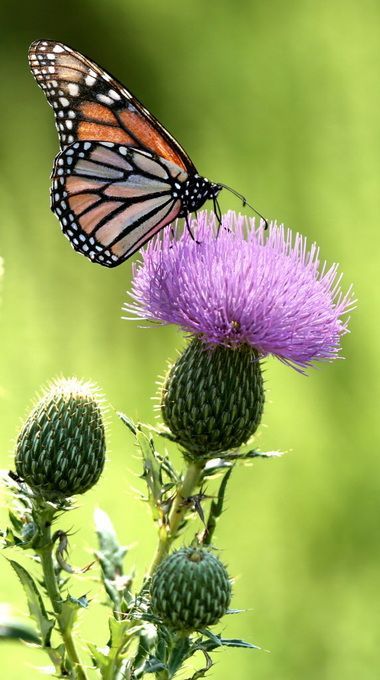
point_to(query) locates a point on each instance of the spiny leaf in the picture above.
(152, 473)
(111, 553)
(253, 454)
(152, 665)
(11, 630)
(214, 641)
(178, 655)
(214, 466)
(70, 608)
(123, 632)
(100, 659)
(163, 432)
(35, 602)
(148, 637)
(10, 539)
(128, 422)
(15, 521)
(216, 509)
(235, 642)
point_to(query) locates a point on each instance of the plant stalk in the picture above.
(177, 513)
(51, 585)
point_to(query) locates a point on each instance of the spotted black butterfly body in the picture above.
(120, 176)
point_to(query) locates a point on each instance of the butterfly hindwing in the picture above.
(90, 104)
(110, 198)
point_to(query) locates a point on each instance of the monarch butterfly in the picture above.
(120, 176)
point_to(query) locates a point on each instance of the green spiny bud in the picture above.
(190, 589)
(60, 450)
(213, 397)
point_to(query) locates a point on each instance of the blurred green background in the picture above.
(280, 100)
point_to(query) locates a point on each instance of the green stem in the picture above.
(177, 513)
(51, 585)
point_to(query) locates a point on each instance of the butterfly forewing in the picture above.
(110, 199)
(90, 104)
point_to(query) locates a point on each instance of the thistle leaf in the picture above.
(110, 557)
(10, 539)
(214, 641)
(152, 473)
(15, 521)
(152, 665)
(11, 630)
(35, 603)
(70, 608)
(110, 553)
(148, 637)
(216, 509)
(128, 422)
(100, 659)
(235, 642)
(248, 455)
(179, 654)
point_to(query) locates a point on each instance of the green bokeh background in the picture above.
(280, 100)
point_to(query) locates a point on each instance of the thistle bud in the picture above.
(213, 397)
(190, 590)
(60, 450)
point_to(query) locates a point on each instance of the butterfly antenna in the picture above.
(245, 202)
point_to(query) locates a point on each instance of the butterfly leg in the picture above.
(190, 231)
(218, 215)
(218, 212)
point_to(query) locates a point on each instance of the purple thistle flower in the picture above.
(242, 285)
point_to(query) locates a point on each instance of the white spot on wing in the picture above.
(73, 89)
(115, 95)
(104, 99)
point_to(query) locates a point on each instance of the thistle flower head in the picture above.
(240, 285)
(190, 589)
(212, 398)
(60, 450)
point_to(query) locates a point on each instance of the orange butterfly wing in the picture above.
(90, 104)
(111, 199)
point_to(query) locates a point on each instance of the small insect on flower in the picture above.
(120, 176)
(243, 286)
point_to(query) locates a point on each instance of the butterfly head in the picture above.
(195, 192)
